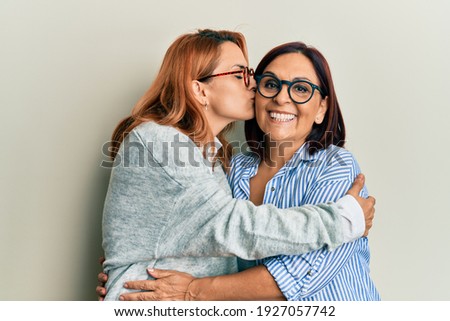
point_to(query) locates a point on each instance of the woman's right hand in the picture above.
(367, 204)
(102, 277)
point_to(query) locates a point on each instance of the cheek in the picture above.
(260, 107)
(227, 101)
(309, 113)
(260, 100)
(305, 123)
(259, 111)
(262, 118)
(235, 95)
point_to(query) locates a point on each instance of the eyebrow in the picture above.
(295, 79)
(240, 66)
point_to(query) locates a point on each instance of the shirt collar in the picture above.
(301, 155)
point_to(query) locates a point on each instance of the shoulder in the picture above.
(153, 132)
(335, 168)
(167, 148)
(334, 156)
(165, 141)
(239, 164)
(336, 163)
(243, 159)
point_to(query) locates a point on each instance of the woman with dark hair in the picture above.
(297, 158)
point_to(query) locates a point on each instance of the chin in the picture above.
(249, 116)
(278, 137)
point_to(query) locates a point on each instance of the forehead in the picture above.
(292, 65)
(230, 56)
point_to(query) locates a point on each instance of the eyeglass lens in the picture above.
(299, 91)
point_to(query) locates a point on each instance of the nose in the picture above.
(283, 95)
(252, 85)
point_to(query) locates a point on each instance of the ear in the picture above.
(323, 107)
(199, 92)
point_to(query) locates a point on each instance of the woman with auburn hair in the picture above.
(167, 207)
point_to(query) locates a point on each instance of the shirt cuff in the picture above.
(286, 281)
(352, 217)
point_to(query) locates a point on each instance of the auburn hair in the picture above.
(170, 100)
(331, 130)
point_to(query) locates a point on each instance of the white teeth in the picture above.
(281, 117)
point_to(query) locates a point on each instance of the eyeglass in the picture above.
(300, 91)
(247, 73)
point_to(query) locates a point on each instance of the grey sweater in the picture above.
(166, 208)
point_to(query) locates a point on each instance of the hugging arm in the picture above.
(253, 284)
(212, 223)
(203, 217)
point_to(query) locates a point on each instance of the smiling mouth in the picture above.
(281, 117)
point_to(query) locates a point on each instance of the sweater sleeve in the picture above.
(206, 221)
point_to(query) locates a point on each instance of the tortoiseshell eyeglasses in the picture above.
(246, 72)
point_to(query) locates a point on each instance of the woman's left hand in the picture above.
(168, 286)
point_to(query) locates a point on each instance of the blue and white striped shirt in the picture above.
(342, 274)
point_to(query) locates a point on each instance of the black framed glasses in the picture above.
(300, 91)
(246, 74)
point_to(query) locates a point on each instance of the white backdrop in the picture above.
(69, 70)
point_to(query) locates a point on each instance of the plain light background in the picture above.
(70, 70)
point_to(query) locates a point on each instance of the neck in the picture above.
(281, 152)
(216, 124)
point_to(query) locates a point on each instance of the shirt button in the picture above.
(309, 272)
(272, 189)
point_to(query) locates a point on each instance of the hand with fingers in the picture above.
(102, 278)
(168, 285)
(367, 204)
